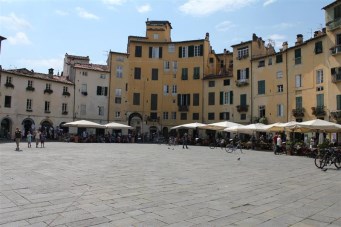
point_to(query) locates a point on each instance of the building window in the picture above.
(242, 117)
(279, 58)
(8, 101)
(196, 73)
(195, 116)
(270, 61)
(84, 88)
(83, 110)
(299, 104)
(211, 98)
(175, 66)
(224, 116)
(165, 115)
(138, 51)
(30, 83)
(155, 52)
(118, 96)
(279, 74)
(103, 91)
(183, 116)
(174, 89)
(183, 52)
(243, 74)
(155, 74)
(261, 87)
(136, 99)
(101, 110)
(243, 52)
(280, 88)
(318, 47)
(280, 110)
(184, 74)
(65, 89)
(64, 107)
(338, 102)
(155, 36)
(261, 63)
(298, 59)
(184, 100)
(210, 116)
(117, 114)
(48, 87)
(29, 104)
(227, 82)
(320, 100)
(298, 81)
(173, 115)
(153, 102)
(261, 111)
(226, 97)
(84, 73)
(319, 76)
(211, 83)
(166, 66)
(47, 107)
(319, 88)
(8, 80)
(196, 99)
(171, 48)
(165, 89)
(119, 71)
(137, 73)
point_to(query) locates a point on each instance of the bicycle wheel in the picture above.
(212, 145)
(229, 148)
(337, 161)
(319, 161)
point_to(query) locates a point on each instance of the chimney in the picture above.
(299, 39)
(284, 46)
(51, 72)
(254, 37)
(316, 33)
(207, 37)
(324, 30)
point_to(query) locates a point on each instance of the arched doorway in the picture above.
(165, 132)
(47, 128)
(153, 133)
(28, 125)
(6, 126)
(135, 120)
(63, 129)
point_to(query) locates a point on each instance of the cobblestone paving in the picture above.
(68, 184)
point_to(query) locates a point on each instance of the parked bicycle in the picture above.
(328, 157)
(233, 146)
(218, 143)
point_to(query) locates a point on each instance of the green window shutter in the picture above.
(338, 102)
(221, 98)
(247, 73)
(243, 100)
(238, 74)
(320, 100)
(150, 52)
(297, 53)
(298, 102)
(201, 50)
(188, 97)
(99, 90)
(231, 97)
(106, 91)
(179, 100)
(160, 52)
(180, 52)
(191, 51)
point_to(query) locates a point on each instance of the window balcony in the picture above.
(336, 115)
(66, 93)
(183, 108)
(85, 93)
(318, 111)
(65, 113)
(336, 78)
(30, 88)
(298, 112)
(48, 91)
(242, 82)
(28, 110)
(9, 85)
(334, 24)
(150, 119)
(47, 111)
(240, 57)
(242, 108)
(335, 50)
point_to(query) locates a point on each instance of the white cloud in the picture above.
(19, 38)
(268, 2)
(114, 2)
(205, 7)
(144, 8)
(85, 14)
(61, 12)
(55, 63)
(225, 25)
(283, 25)
(14, 22)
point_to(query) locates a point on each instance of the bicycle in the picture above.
(328, 157)
(232, 148)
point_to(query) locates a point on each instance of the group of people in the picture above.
(38, 136)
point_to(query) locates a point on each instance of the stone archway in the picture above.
(135, 120)
(6, 128)
(27, 125)
(47, 128)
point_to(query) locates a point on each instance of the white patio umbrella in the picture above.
(83, 124)
(236, 128)
(220, 125)
(251, 128)
(317, 125)
(279, 127)
(189, 125)
(115, 125)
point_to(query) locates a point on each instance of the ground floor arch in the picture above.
(28, 125)
(6, 128)
(47, 128)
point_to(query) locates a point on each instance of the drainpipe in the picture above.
(286, 72)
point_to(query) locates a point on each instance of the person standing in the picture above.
(17, 135)
(184, 141)
(37, 137)
(42, 139)
(275, 143)
(29, 139)
(279, 143)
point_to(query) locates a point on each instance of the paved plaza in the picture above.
(69, 184)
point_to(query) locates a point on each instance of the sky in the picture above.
(40, 32)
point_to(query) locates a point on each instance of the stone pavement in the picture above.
(68, 184)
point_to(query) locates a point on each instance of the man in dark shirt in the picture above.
(17, 135)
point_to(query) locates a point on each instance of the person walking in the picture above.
(279, 144)
(42, 139)
(37, 137)
(29, 139)
(184, 141)
(17, 135)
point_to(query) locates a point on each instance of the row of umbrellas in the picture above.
(307, 126)
(90, 124)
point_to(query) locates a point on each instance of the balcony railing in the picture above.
(240, 57)
(242, 108)
(30, 88)
(65, 112)
(334, 24)
(9, 85)
(66, 93)
(183, 108)
(85, 93)
(298, 112)
(48, 91)
(242, 82)
(150, 119)
(335, 50)
(318, 111)
(336, 77)
(336, 115)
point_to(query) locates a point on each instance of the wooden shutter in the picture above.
(105, 91)
(160, 52)
(179, 99)
(231, 97)
(201, 50)
(180, 52)
(238, 74)
(150, 52)
(247, 73)
(221, 98)
(188, 97)
(191, 51)
(99, 90)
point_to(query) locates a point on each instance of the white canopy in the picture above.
(316, 125)
(83, 124)
(220, 125)
(116, 125)
(278, 127)
(189, 126)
